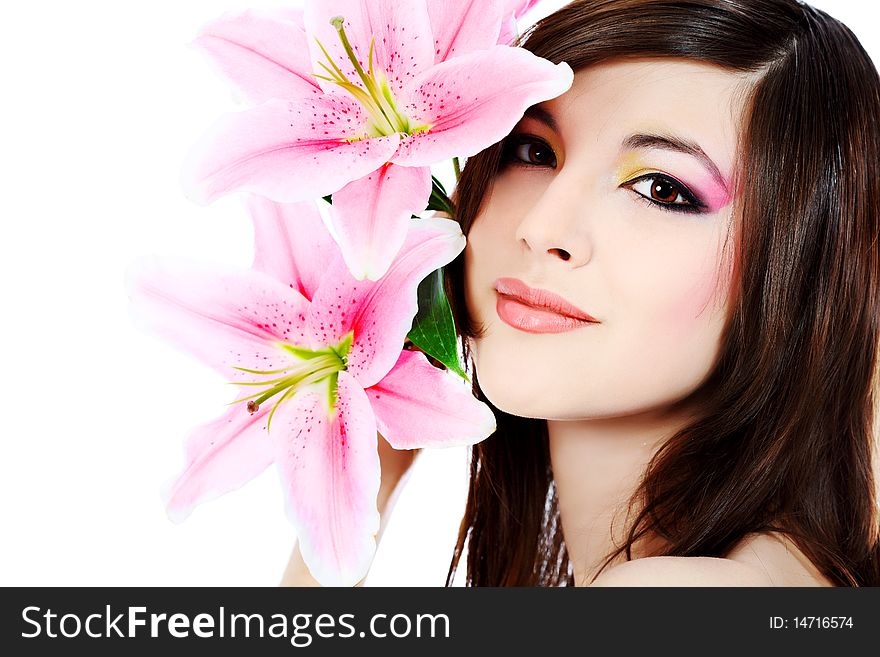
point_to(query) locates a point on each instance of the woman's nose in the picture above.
(555, 225)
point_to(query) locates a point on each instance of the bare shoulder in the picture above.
(759, 560)
(780, 558)
(682, 571)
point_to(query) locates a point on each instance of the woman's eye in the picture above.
(528, 151)
(666, 193)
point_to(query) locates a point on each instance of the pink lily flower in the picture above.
(513, 11)
(318, 359)
(357, 98)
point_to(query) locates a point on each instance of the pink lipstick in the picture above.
(537, 311)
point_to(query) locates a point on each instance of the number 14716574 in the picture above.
(811, 622)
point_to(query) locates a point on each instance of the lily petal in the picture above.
(291, 242)
(418, 405)
(220, 456)
(402, 33)
(264, 53)
(329, 469)
(474, 100)
(381, 313)
(509, 32)
(287, 151)
(226, 317)
(371, 216)
(517, 8)
(513, 11)
(464, 26)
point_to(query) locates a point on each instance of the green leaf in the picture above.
(436, 184)
(440, 199)
(433, 329)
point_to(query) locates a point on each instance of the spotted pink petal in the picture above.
(402, 32)
(287, 151)
(371, 216)
(472, 101)
(221, 456)
(418, 405)
(381, 313)
(226, 317)
(264, 53)
(291, 242)
(329, 469)
(463, 26)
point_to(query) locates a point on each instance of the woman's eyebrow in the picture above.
(540, 114)
(672, 143)
(644, 141)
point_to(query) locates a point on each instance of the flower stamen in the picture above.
(375, 96)
(312, 366)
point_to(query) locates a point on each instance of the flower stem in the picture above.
(457, 167)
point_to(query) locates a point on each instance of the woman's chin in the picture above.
(530, 399)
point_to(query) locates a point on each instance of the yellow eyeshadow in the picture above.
(630, 166)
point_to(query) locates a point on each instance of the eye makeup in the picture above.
(519, 148)
(710, 188)
(705, 193)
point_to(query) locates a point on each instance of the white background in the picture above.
(100, 102)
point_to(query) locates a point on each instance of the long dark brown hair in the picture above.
(784, 432)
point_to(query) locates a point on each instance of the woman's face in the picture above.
(616, 196)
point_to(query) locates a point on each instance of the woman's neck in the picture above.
(597, 465)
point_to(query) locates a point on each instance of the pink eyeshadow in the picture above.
(712, 193)
(708, 189)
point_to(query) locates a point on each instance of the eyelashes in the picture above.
(656, 189)
(683, 200)
(517, 144)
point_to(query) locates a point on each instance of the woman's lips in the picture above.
(538, 298)
(536, 311)
(534, 320)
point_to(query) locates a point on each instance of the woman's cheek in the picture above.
(672, 314)
(701, 297)
(689, 328)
